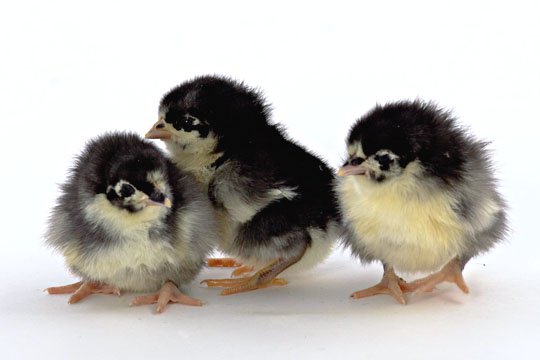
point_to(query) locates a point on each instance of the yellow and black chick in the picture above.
(418, 194)
(129, 220)
(276, 209)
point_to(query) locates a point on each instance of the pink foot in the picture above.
(223, 262)
(83, 289)
(390, 284)
(168, 293)
(242, 270)
(451, 272)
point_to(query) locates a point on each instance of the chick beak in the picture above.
(158, 131)
(352, 170)
(167, 203)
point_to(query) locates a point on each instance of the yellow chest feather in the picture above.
(133, 261)
(411, 229)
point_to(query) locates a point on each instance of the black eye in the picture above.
(157, 197)
(176, 118)
(187, 124)
(384, 160)
(127, 190)
(112, 195)
(356, 161)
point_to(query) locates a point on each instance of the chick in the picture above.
(274, 199)
(418, 193)
(129, 220)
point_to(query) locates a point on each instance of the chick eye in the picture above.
(384, 160)
(127, 190)
(356, 161)
(187, 124)
(157, 197)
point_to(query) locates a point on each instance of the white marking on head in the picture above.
(156, 178)
(356, 150)
(135, 200)
(387, 152)
(195, 120)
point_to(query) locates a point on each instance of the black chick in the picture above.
(129, 220)
(274, 199)
(418, 194)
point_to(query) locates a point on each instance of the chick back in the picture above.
(278, 196)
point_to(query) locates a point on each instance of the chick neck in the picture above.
(196, 159)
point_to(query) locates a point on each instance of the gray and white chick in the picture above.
(129, 220)
(417, 193)
(274, 200)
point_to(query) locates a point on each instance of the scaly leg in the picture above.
(83, 289)
(169, 292)
(261, 279)
(451, 272)
(227, 283)
(390, 284)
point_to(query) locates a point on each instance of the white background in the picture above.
(70, 71)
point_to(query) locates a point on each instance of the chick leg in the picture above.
(83, 289)
(390, 284)
(451, 272)
(261, 279)
(169, 292)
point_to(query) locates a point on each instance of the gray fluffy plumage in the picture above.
(133, 250)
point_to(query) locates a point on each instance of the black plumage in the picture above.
(129, 220)
(273, 196)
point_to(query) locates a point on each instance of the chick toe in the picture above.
(390, 284)
(169, 293)
(242, 270)
(83, 289)
(451, 272)
(223, 262)
(263, 278)
(254, 283)
(65, 289)
(237, 282)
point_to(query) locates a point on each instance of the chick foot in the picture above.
(242, 270)
(223, 262)
(261, 279)
(242, 284)
(83, 289)
(169, 292)
(451, 272)
(390, 284)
